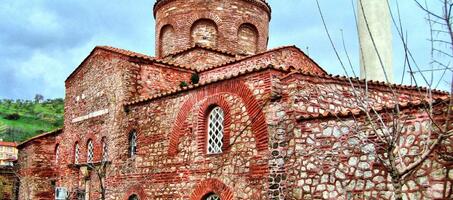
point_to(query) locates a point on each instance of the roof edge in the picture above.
(56, 131)
(359, 112)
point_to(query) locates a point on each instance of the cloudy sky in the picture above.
(43, 41)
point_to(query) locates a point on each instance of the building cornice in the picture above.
(260, 3)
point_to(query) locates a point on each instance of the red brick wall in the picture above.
(36, 168)
(157, 78)
(228, 16)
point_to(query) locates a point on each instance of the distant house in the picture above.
(8, 153)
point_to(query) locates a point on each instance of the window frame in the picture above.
(76, 153)
(105, 150)
(90, 151)
(212, 196)
(132, 144)
(57, 153)
(215, 130)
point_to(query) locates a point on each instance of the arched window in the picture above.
(248, 39)
(76, 153)
(215, 130)
(105, 150)
(167, 44)
(204, 32)
(57, 153)
(90, 151)
(133, 197)
(132, 143)
(212, 197)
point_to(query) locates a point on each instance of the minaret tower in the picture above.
(375, 37)
(236, 26)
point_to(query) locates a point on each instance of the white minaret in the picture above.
(374, 20)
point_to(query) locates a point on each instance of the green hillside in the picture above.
(22, 119)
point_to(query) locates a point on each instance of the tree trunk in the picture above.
(397, 187)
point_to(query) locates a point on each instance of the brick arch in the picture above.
(236, 87)
(203, 113)
(166, 40)
(212, 186)
(262, 29)
(137, 190)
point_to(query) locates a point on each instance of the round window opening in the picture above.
(133, 197)
(212, 197)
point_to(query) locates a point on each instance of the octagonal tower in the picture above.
(236, 26)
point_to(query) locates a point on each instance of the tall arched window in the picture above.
(248, 39)
(212, 197)
(133, 197)
(76, 153)
(57, 153)
(167, 37)
(204, 32)
(90, 151)
(105, 150)
(132, 143)
(215, 130)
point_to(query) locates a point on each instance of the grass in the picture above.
(35, 118)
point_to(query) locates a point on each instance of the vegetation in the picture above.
(22, 119)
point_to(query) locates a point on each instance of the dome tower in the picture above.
(236, 26)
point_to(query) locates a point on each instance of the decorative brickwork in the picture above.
(227, 15)
(252, 105)
(212, 186)
(203, 115)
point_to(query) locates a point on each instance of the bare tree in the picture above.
(386, 130)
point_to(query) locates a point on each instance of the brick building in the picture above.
(216, 115)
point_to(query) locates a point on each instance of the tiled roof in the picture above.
(56, 131)
(369, 82)
(8, 144)
(259, 54)
(358, 112)
(144, 57)
(284, 69)
(130, 54)
(201, 47)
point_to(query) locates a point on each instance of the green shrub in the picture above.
(183, 84)
(13, 116)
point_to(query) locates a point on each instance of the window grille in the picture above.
(90, 152)
(132, 144)
(213, 197)
(76, 154)
(105, 152)
(215, 131)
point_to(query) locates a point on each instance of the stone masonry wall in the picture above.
(326, 159)
(333, 157)
(228, 16)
